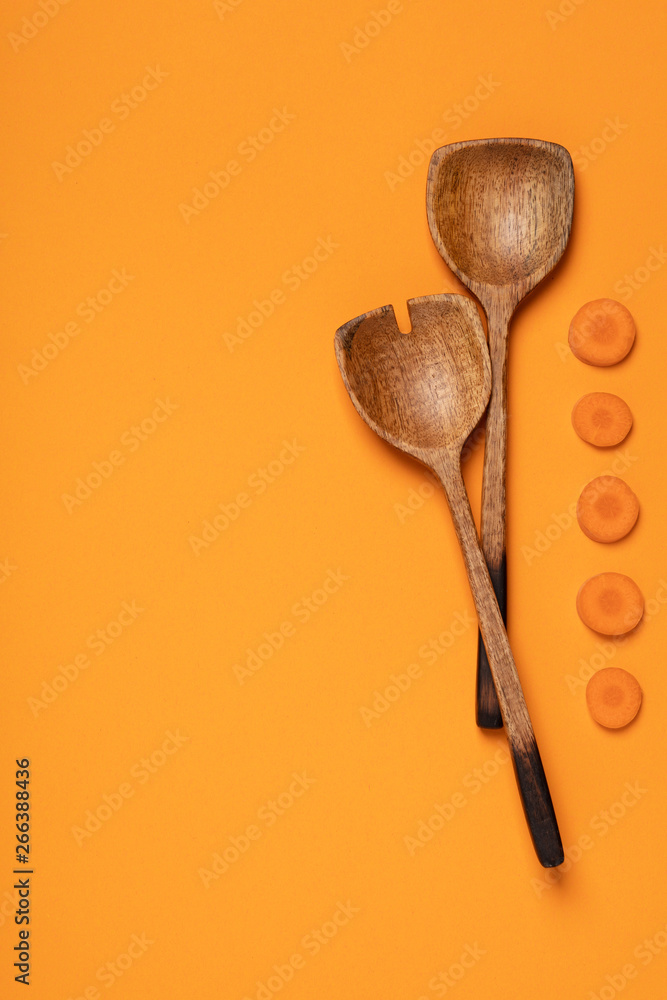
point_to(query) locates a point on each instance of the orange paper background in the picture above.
(359, 95)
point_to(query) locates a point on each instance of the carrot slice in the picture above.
(613, 697)
(607, 509)
(602, 332)
(602, 419)
(610, 603)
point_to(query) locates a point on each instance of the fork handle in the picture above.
(528, 768)
(487, 709)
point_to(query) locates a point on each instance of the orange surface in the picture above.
(170, 680)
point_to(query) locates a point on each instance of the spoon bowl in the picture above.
(500, 211)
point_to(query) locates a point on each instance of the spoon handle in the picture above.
(528, 768)
(487, 710)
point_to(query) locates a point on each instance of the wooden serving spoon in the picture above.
(500, 213)
(424, 392)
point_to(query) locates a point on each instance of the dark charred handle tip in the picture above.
(537, 805)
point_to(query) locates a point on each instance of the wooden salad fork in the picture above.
(424, 392)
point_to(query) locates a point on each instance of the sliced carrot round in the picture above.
(613, 697)
(607, 509)
(602, 419)
(610, 603)
(602, 332)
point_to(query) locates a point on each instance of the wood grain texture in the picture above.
(500, 214)
(424, 392)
